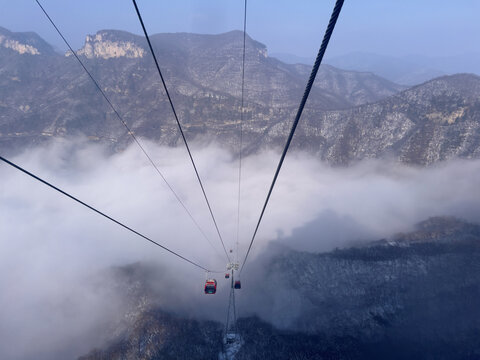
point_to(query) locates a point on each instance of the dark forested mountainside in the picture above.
(410, 296)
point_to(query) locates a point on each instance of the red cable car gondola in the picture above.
(210, 286)
(238, 284)
(227, 276)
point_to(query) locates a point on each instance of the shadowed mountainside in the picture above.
(410, 296)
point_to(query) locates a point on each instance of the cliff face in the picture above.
(23, 44)
(110, 44)
(409, 296)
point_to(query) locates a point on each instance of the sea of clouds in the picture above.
(56, 297)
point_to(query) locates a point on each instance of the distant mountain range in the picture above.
(412, 296)
(408, 70)
(349, 116)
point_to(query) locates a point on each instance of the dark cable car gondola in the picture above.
(210, 286)
(227, 275)
(238, 284)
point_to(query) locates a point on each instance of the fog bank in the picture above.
(53, 252)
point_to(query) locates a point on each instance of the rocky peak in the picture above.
(24, 43)
(108, 44)
(17, 46)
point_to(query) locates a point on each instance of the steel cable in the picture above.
(321, 52)
(180, 126)
(103, 214)
(240, 150)
(130, 132)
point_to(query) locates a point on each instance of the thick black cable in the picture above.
(180, 126)
(321, 52)
(240, 150)
(103, 214)
(130, 132)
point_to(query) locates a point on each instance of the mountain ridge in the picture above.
(24, 43)
(410, 69)
(349, 116)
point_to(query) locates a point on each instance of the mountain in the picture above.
(435, 121)
(408, 70)
(28, 43)
(51, 96)
(159, 335)
(410, 296)
(349, 116)
(293, 59)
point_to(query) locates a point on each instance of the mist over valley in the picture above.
(369, 246)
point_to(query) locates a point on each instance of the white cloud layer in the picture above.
(51, 248)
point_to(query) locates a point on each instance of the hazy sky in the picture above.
(426, 27)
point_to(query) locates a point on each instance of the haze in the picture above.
(54, 253)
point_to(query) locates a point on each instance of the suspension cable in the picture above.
(103, 214)
(179, 126)
(129, 131)
(321, 52)
(231, 320)
(240, 150)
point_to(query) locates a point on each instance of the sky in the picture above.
(394, 28)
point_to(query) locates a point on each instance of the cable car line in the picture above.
(240, 150)
(129, 131)
(321, 52)
(231, 330)
(179, 126)
(319, 58)
(103, 214)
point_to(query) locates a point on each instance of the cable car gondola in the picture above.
(210, 286)
(238, 284)
(227, 276)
